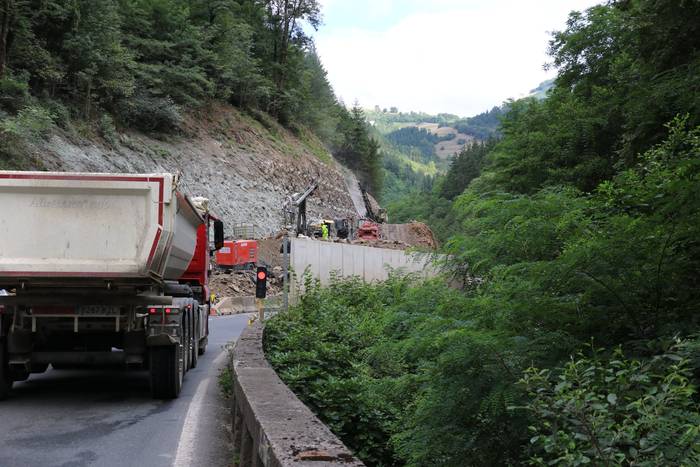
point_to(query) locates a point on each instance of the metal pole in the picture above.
(285, 270)
(261, 309)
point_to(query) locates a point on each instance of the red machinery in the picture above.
(368, 231)
(238, 254)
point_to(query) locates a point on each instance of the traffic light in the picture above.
(261, 282)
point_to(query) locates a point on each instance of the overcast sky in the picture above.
(456, 56)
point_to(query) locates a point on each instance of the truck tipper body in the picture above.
(103, 269)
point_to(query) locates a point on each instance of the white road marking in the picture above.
(187, 444)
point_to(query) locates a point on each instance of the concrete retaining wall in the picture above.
(271, 426)
(321, 258)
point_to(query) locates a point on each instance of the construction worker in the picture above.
(324, 231)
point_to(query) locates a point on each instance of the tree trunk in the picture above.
(6, 10)
(88, 99)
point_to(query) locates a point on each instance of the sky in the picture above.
(455, 56)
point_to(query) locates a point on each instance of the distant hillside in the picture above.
(540, 92)
(484, 125)
(429, 140)
(405, 169)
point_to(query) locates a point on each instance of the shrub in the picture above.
(14, 93)
(30, 122)
(61, 113)
(149, 113)
(107, 129)
(402, 374)
(615, 411)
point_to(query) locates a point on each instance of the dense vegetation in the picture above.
(573, 338)
(482, 126)
(403, 175)
(419, 141)
(144, 63)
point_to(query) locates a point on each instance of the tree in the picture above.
(7, 11)
(97, 63)
(284, 19)
(465, 167)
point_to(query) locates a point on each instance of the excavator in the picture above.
(369, 229)
(295, 207)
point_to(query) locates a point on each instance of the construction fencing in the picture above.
(320, 259)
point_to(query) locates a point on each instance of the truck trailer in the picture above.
(103, 269)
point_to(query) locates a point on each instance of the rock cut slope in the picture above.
(245, 168)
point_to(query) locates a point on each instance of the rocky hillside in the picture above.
(245, 167)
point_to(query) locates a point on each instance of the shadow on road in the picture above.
(110, 385)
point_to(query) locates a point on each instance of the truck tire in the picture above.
(187, 340)
(167, 371)
(195, 335)
(204, 340)
(5, 376)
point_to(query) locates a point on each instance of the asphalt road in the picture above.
(73, 418)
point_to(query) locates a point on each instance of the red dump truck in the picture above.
(103, 269)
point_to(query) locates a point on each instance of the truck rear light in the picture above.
(152, 311)
(168, 310)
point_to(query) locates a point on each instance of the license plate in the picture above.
(99, 310)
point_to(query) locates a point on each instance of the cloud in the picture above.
(460, 56)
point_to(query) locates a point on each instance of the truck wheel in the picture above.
(187, 340)
(195, 334)
(167, 371)
(5, 376)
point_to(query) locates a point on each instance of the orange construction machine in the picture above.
(238, 254)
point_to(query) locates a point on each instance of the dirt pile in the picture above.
(269, 252)
(246, 168)
(414, 234)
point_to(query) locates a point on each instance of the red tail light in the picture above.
(153, 311)
(168, 310)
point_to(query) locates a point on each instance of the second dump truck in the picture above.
(103, 269)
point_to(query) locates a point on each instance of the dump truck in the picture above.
(102, 270)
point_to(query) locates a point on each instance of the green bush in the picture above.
(160, 114)
(615, 411)
(61, 114)
(107, 129)
(402, 372)
(14, 93)
(31, 122)
(317, 349)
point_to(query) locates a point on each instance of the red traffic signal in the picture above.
(261, 282)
